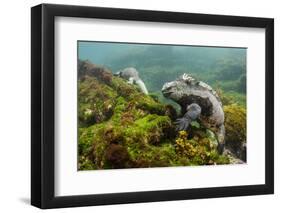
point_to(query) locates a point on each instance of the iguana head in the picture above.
(174, 89)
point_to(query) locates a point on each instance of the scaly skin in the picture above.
(186, 91)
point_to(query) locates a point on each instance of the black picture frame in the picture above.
(43, 102)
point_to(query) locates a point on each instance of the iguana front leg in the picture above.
(193, 111)
(182, 124)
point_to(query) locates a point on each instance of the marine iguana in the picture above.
(198, 101)
(132, 75)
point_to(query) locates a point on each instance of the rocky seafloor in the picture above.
(120, 127)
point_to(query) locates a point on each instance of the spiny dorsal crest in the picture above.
(189, 79)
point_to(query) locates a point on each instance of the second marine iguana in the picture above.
(132, 75)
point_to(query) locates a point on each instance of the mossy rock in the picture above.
(235, 129)
(96, 101)
(137, 138)
(120, 127)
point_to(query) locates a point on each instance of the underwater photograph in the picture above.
(160, 105)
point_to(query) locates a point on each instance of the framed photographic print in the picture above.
(139, 106)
